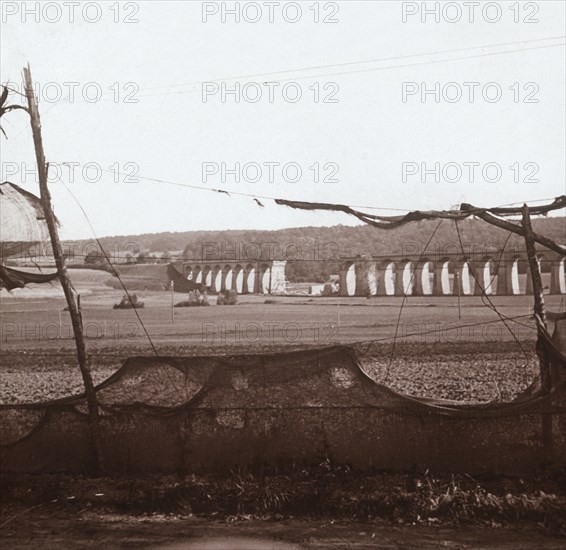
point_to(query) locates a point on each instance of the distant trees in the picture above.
(312, 253)
(94, 257)
(152, 258)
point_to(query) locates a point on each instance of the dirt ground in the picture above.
(61, 531)
(33, 319)
(38, 360)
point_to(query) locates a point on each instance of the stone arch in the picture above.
(207, 276)
(515, 283)
(425, 277)
(466, 279)
(265, 279)
(558, 276)
(441, 285)
(421, 272)
(373, 279)
(347, 273)
(508, 283)
(486, 277)
(545, 265)
(407, 279)
(446, 283)
(188, 271)
(227, 274)
(249, 279)
(529, 285)
(216, 285)
(238, 279)
(351, 280)
(389, 278)
(197, 274)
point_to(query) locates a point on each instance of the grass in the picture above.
(322, 490)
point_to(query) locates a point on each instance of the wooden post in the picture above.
(540, 309)
(172, 286)
(74, 312)
(544, 360)
(457, 287)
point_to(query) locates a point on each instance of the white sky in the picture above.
(368, 133)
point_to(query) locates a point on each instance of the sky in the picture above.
(356, 102)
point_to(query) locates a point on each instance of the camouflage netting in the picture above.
(22, 223)
(211, 414)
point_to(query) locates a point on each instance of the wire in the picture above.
(197, 262)
(496, 274)
(235, 193)
(373, 69)
(154, 259)
(122, 284)
(523, 202)
(109, 95)
(364, 62)
(213, 190)
(499, 262)
(482, 290)
(349, 63)
(113, 268)
(405, 297)
(353, 343)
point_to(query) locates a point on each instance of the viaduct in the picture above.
(500, 273)
(447, 274)
(246, 277)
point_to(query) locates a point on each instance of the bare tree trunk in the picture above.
(92, 402)
(511, 227)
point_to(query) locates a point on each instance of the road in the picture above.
(88, 530)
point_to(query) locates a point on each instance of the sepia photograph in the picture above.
(282, 275)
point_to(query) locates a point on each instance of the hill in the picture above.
(310, 251)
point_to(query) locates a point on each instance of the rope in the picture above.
(484, 294)
(405, 298)
(114, 270)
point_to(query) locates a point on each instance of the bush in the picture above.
(227, 298)
(95, 267)
(191, 303)
(126, 303)
(196, 299)
(328, 290)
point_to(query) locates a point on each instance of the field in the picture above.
(436, 353)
